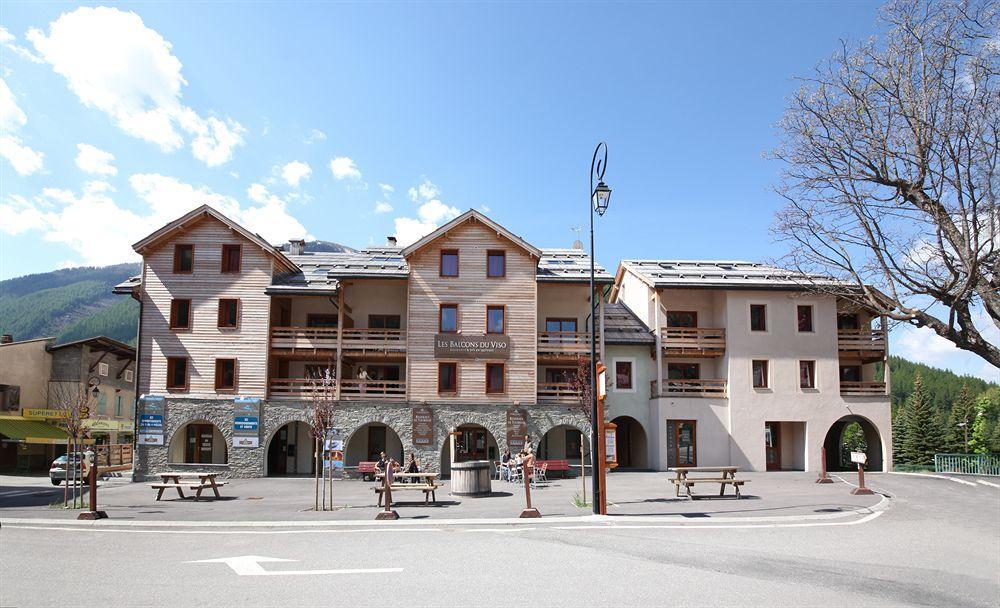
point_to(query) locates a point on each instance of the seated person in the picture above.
(381, 464)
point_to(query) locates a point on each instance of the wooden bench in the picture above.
(197, 487)
(367, 468)
(555, 465)
(689, 482)
(428, 489)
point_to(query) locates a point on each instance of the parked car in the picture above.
(58, 470)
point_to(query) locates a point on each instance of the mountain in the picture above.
(940, 385)
(77, 303)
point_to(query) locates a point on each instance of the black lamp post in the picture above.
(600, 197)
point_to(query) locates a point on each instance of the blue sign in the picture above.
(151, 421)
(246, 423)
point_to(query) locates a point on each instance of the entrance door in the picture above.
(376, 441)
(772, 445)
(277, 454)
(199, 443)
(682, 443)
(470, 445)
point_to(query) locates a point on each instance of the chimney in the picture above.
(296, 246)
(390, 241)
(6, 339)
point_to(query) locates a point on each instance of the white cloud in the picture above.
(294, 172)
(382, 207)
(387, 190)
(485, 208)
(12, 117)
(921, 344)
(314, 136)
(343, 167)
(94, 160)
(430, 214)
(7, 40)
(116, 64)
(25, 160)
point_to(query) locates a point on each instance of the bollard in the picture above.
(528, 511)
(823, 477)
(387, 513)
(93, 513)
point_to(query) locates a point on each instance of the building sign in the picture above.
(246, 422)
(333, 453)
(460, 346)
(423, 427)
(517, 428)
(611, 445)
(859, 457)
(37, 412)
(107, 426)
(152, 420)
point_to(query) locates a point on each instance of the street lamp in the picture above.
(600, 197)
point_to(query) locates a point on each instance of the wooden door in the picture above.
(200, 443)
(772, 445)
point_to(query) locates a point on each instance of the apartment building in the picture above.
(754, 367)
(471, 330)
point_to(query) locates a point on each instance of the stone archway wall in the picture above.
(151, 460)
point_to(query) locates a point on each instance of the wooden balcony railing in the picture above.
(861, 388)
(557, 391)
(325, 338)
(350, 390)
(702, 341)
(870, 341)
(563, 343)
(690, 388)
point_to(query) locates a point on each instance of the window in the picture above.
(183, 258)
(850, 373)
(759, 373)
(448, 322)
(804, 314)
(807, 374)
(102, 369)
(180, 314)
(496, 263)
(848, 320)
(383, 322)
(447, 377)
(495, 377)
(559, 374)
(623, 375)
(231, 255)
(102, 404)
(683, 371)
(225, 374)
(321, 320)
(561, 325)
(118, 406)
(128, 375)
(229, 313)
(385, 373)
(177, 373)
(494, 319)
(449, 262)
(682, 318)
(758, 317)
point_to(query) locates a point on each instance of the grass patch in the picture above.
(580, 502)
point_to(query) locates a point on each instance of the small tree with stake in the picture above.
(324, 403)
(72, 400)
(580, 384)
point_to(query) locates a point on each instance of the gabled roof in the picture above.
(621, 326)
(127, 287)
(196, 215)
(472, 216)
(102, 343)
(569, 266)
(721, 274)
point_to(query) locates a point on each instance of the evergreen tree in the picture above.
(923, 437)
(959, 428)
(898, 435)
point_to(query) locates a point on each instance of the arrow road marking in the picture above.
(250, 565)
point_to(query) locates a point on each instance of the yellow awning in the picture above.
(30, 431)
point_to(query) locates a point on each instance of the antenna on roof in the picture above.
(577, 244)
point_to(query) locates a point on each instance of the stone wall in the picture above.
(351, 416)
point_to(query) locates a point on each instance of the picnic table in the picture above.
(726, 477)
(411, 481)
(173, 480)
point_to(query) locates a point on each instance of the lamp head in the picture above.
(601, 198)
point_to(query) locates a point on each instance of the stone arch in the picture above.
(553, 445)
(357, 446)
(873, 437)
(633, 448)
(297, 447)
(177, 452)
(491, 450)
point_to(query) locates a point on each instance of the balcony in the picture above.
(862, 388)
(307, 389)
(563, 344)
(693, 341)
(690, 388)
(865, 344)
(315, 339)
(559, 392)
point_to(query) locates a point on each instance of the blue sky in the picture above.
(349, 122)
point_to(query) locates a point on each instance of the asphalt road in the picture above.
(937, 544)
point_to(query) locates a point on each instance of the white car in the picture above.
(59, 468)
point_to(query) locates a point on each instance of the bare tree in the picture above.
(580, 384)
(891, 150)
(72, 400)
(324, 402)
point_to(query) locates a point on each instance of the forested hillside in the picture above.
(940, 386)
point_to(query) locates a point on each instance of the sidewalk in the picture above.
(646, 495)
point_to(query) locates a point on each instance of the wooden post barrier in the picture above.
(388, 512)
(528, 467)
(861, 458)
(823, 477)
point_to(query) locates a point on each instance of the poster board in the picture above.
(152, 420)
(246, 422)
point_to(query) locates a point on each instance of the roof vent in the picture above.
(6, 339)
(390, 241)
(296, 246)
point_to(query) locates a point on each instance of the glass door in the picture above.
(772, 445)
(682, 447)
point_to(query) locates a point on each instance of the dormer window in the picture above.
(231, 258)
(449, 262)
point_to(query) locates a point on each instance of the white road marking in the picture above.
(502, 530)
(250, 565)
(962, 481)
(139, 531)
(988, 483)
(855, 522)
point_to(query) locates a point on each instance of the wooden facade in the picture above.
(472, 291)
